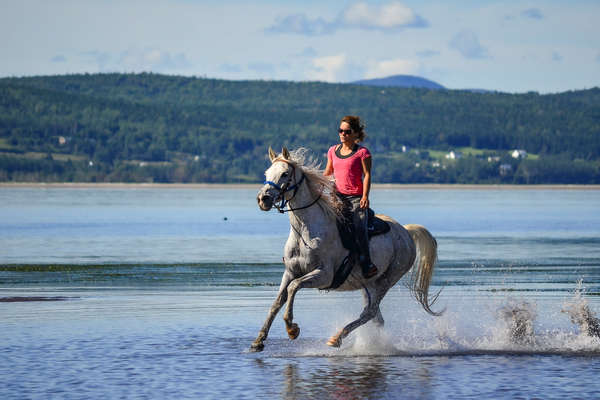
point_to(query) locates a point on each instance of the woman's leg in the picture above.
(361, 223)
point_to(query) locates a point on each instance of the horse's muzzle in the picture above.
(265, 202)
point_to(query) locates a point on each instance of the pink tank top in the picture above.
(347, 170)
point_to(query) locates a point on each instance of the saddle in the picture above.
(376, 226)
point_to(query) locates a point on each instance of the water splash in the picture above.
(580, 313)
(518, 319)
(508, 326)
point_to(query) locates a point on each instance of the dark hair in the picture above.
(356, 125)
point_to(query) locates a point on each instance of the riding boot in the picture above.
(362, 242)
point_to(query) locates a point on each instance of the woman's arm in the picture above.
(366, 166)
(329, 168)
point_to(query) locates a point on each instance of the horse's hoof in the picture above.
(334, 342)
(293, 331)
(257, 347)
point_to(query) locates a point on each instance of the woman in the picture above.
(350, 165)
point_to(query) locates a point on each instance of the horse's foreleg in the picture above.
(371, 311)
(258, 344)
(315, 279)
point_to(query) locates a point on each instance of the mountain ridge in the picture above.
(406, 81)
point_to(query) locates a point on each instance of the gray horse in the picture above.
(314, 250)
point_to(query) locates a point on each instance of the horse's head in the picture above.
(282, 179)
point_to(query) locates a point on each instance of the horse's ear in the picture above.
(286, 153)
(272, 154)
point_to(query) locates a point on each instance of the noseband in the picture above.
(283, 189)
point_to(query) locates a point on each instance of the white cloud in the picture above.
(328, 68)
(387, 16)
(302, 25)
(467, 44)
(397, 66)
(151, 59)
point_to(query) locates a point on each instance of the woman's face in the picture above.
(347, 135)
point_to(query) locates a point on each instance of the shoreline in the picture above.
(378, 186)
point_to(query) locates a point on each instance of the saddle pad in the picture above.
(376, 226)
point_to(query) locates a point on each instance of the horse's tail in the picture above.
(422, 269)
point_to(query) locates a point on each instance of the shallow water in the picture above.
(157, 296)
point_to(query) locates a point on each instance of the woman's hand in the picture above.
(364, 202)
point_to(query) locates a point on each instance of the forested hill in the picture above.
(148, 127)
(401, 81)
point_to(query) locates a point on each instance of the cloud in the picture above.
(389, 17)
(101, 59)
(307, 52)
(328, 68)
(138, 60)
(302, 25)
(59, 58)
(262, 67)
(467, 44)
(533, 13)
(556, 56)
(427, 53)
(338, 68)
(152, 59)
(598, 58)
(230, 68)
(397, 66)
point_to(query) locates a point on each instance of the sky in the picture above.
(546, 46)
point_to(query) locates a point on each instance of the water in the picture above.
(158, 293)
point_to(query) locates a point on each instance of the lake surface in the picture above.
(158, 293)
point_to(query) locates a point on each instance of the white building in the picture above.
(517, 153)
(454, 155)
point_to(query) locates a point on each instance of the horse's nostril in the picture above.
(265, 199)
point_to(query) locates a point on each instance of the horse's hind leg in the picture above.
(371, 311)
(378, 320)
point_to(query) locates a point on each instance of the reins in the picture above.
(283, 189)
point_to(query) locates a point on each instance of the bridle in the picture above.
(286, 187)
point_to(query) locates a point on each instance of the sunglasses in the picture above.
(345, 131)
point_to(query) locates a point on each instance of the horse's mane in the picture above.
(317, 183)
